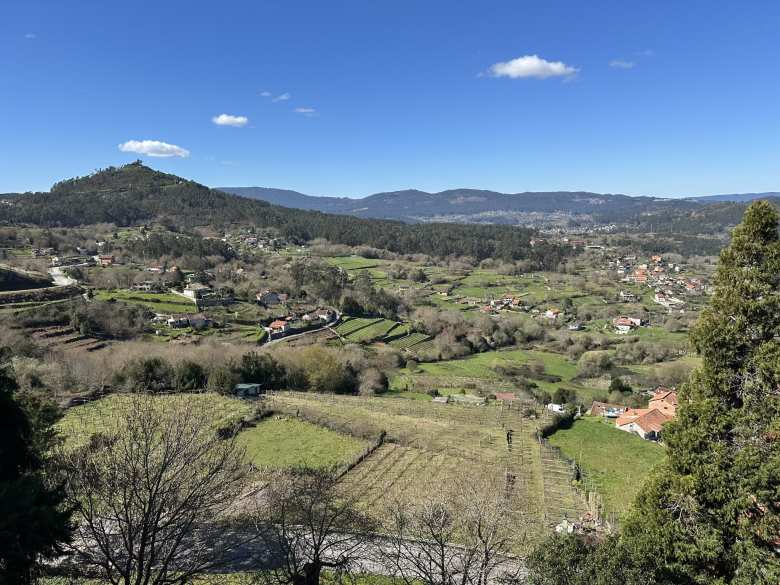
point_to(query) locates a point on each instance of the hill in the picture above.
(567, 208)
(136, 194)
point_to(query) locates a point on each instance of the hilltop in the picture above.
(135, 194)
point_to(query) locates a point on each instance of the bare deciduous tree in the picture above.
(312, 526)
(147, 494)
(459, 537)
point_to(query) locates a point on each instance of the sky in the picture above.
(349, 98)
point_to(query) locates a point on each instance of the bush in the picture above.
(147, 375)
(222, 379)
(188, 376)
(593, 364)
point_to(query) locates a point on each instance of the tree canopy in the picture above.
(710, 514)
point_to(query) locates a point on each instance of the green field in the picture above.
(485, 366)
(81, 422)
(283, 442)
(158, 302)
(614, 461)
(429, 446)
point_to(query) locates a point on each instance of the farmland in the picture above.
(98, 416)
(431, 444)
(282, 442)
(157, 302)
(613, 461)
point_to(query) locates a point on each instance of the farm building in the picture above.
(665, 400)
(606, 409)
(270, 298)
(506, 397)
(246, 390)
(645, 422)
(195, 290)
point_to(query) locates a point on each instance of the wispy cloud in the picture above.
(531, 66)
(265, 94)
(230, 120)
(645, 53)
(306, 111)
(31, 36)
(154, 148)
(622, 64)
(282, 97)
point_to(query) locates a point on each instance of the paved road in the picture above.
(60, 278)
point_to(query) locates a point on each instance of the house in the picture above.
(195, 290)
(178, 322)
(645, 422)
(552, 314)
(105, 260)
(628, 296)
(199, 321)
(278, 327)
(665, 400)
(507, 397)
(656, 259)
(156, 269)
(556, 408)
(606, 409)
(625, 324)
(245, 390)
(640, 276)
(576, 326)
(270, 298)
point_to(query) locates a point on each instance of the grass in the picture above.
(158, 302)
(485, 366)
(284, 442)
(81, 422)
(616, 462)
(430, 446)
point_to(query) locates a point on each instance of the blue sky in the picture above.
(662, 98)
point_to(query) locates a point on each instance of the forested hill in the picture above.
(135, 194)
(691, 216)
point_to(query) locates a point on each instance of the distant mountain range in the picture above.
(481, 206)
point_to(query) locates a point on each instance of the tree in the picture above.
(33, 521)
(562, 559)
(313, 526)
(711, 514)
(147, 495)
(460, 538)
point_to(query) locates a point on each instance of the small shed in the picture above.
(247, 390)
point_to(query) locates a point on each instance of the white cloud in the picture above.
(31, 36)
(265, 94)
(306, 111)
(154, 148)
(531, 66)
(622, 64)
(229, 120)
(282, 97)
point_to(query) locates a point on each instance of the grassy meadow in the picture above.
(614, 461)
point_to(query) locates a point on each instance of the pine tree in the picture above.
(711, 514)
(32, 520)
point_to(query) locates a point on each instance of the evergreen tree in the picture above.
(711, 514)
(32, 519)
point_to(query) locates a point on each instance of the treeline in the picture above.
(135, 194)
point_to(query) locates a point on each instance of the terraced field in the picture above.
(429, 445)
(365, 330)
